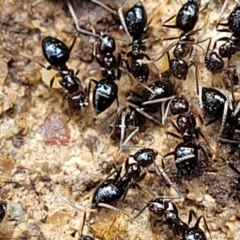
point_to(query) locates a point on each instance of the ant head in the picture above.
(158, 206)
(179, 105)
(145, 157)
(106, 44)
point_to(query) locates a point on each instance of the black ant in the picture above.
(134, 22)
(126, 120)
(186, 20)
(113, 189)
(106, 90)
(57, 54)
(213, 62)
(150, 98)
(215, 104)
(167, 213)
(3, 210)
(232, 44)
(135, 25)
(187, 160)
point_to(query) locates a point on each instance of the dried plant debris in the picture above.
(113, 112)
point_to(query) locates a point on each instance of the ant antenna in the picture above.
(79, 29)
(72, 205)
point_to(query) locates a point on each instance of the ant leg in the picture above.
(205, 224)
(161, 171)
(220, 40)
(73, 43)
(129, 137)
(224, 117)
(89, 85)
(174, 135)
(84, 209)
(168, 20)
(157, 101)
(179, 160)
(141, 211)
(119, 62)
(122, 19)
(123, 128)
(220, 15)
(105, 205)
(142, 112)
(146, 61)
(109, 9)
(79, 29)
(165, 115)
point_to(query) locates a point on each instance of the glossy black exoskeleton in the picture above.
(187, 16)
(213, 62)
(106, 90)
(186, 154)
(186, 126)
(167, 213)
(57, 54)
(116, 188)
(126, 123)
(3, 210)
(145, 157)
(213, 102)
(154, 93)
(104, 94)
(148, 100)
(189, 167)
(136, 20)
(179, 105)
(186, 20)
(232, 43)
(195, 232)
(104, 54)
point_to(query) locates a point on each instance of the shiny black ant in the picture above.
(134, 22)
(126, 123)
(186, 160)
(114, 189)
(167, 213)
(186, 20)
(57, 54)
(3, 210)
(215, 104)
(232, 43)
(106, 90)
(149, 99)
(135, 25)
